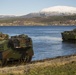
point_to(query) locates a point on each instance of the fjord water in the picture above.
(47, 40)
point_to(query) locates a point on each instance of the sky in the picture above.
(23, 7)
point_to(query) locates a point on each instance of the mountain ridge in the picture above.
(60, 9)
(42, 18)
(50, 11)
(53, 11)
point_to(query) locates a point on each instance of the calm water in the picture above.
(47, 41)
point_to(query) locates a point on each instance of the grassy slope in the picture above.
(67, 69)
(57, 66)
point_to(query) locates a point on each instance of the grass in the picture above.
(57, 66)
(67, 69)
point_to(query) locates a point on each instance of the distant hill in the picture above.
(57, 15)
(49, 20)
(53, 11)
(59, 10)
(6, 16)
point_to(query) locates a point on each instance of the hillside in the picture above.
(56, 15)
(43, 21)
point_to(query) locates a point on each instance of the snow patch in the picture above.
(59, 9)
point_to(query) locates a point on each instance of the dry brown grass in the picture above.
(21, 69)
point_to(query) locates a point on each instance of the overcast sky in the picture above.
(22, 7)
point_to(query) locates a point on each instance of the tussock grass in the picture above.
(67, 69)
(58, 66)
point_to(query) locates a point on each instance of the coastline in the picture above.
(37, 24)
(41, 25)
(25, 69)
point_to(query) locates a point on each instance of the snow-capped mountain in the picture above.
(53, 11)
(50, 11)
(59, 10)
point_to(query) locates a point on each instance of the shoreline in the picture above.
(20, 69)
(36, 25)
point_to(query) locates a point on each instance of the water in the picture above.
(47, 41)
